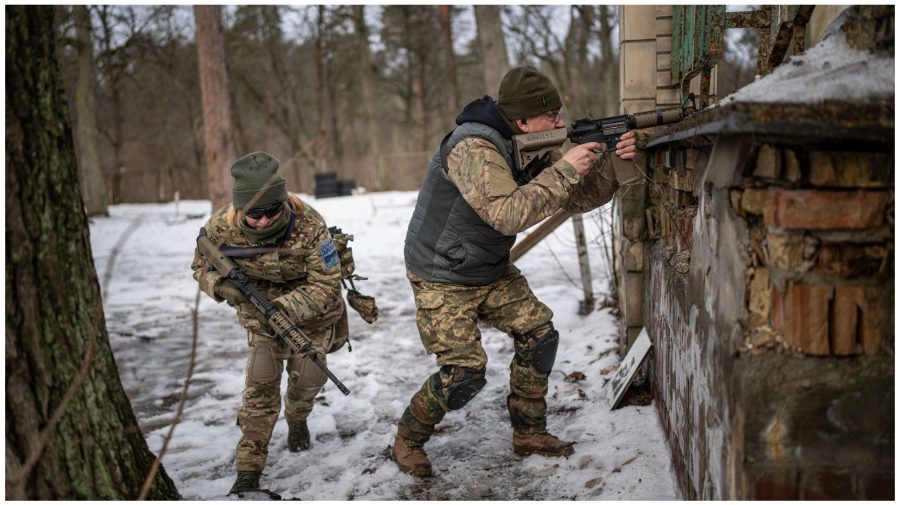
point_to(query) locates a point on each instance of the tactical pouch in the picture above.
(341, 334)
(362, 304)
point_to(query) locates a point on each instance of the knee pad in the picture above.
(310, 378)
(263, 368)
(464, 384)
(542, 349)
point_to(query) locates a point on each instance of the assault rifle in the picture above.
(606, 131)
(276, 318)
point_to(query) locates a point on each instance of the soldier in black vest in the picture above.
(472, 204)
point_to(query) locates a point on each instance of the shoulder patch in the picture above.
(329, 254)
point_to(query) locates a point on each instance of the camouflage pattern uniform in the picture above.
(303, 277)
(447, 314)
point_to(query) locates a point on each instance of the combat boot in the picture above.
(544, 444)
(298, 436)
(413, 461)
(246, 481)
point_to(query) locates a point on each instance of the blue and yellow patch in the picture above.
(329, 254)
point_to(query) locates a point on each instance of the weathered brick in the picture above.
(760, 297)
(753, 201)
(785, 251)
(825, 210)
(692, 158)
(801, 316)
(846, 313)
(814, 302)
(843, 169)
(791, 166)
(682, 180)
(768, 162)
(826, 485)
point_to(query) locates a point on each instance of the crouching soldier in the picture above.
(472, 204)
(284, 247)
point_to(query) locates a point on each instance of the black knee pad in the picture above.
(465, 384)
(545, 351)
(541, 348)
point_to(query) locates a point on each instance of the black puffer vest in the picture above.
(447, 241)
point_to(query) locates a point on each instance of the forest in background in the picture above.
(365, 91)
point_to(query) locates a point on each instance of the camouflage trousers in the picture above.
(261, 399)
(447, 317)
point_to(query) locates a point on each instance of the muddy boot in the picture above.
(413, 461)
(246, 481)
(544, 444)
(298, 436)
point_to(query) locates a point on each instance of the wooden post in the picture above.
(587, 305)
(540, 233)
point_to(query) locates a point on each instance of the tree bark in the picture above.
(218, 131)
(54, 316)
(367, 76)
(93, 186)
(493, 46)
(449, 62)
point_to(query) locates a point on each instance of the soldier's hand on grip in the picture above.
(225, 289)
(626, 148)
(582, 157)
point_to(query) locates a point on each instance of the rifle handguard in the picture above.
(279, 322)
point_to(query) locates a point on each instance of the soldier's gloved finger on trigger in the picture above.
(225, 289)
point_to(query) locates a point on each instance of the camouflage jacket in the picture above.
(303, 275)
(485, 181)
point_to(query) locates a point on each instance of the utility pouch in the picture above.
(341, 334)
(364, 305)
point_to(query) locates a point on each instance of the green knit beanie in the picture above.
(257, 173)
(525, 92)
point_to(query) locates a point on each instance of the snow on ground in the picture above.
(831, 70)
(620, 454)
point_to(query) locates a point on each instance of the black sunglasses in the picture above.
(270, 211)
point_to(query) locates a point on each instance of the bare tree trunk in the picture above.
(416, 63)
(70, 430)
(368, 81)
(115, 187)
(321, 98)
(493, 46)
(218, 132)
(449, 62)
(93, 186)
(609, 63)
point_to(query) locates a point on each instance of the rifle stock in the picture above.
(275, 317)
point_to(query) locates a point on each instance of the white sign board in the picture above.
(617, 386)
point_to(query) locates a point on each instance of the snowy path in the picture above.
(619, 455)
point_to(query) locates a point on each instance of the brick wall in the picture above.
(759, 255)
(770, 303)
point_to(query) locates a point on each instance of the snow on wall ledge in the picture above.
(832, 70)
